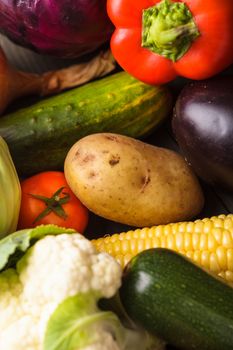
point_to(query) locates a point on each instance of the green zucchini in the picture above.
(176, 300)
(40, 136)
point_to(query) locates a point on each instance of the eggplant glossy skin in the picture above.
(203, 127)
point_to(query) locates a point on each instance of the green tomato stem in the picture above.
(53, 204)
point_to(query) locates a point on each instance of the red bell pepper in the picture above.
(156, 41)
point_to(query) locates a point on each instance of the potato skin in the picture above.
(131, 182)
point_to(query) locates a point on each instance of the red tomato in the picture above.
(47, 199)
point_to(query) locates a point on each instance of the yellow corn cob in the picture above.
(209, 242)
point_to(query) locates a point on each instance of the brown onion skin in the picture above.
(203, 127)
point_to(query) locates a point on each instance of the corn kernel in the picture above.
(170, 241)
(198, 227)
(203, 241)
(197, 256)
(222, 257)
(179, 241)
(208, 226)
(227, 240)
(205, 259)
(211, 242)
(195, 240)
(125, 247)
(229, 276)
(214, 266)
(230, 259)
(190, 227)
(189, 254)
(156, 242)
(187, 241)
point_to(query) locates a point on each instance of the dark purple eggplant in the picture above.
(203, 127)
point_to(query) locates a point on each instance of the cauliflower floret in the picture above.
(55, 268)
(107, 343)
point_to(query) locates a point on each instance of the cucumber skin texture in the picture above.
(178, 301)
(40, 136)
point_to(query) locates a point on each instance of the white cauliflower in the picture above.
(49, 300)
(55, 268)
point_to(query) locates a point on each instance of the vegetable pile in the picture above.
(91, 161)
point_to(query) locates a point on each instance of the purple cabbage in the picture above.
(63, 28)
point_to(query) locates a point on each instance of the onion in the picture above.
(64, 28)
(15, 84)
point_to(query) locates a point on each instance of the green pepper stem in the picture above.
(168, 29)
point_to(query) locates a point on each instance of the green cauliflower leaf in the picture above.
(13, 246)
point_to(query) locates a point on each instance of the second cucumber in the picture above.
(40, 136)
(173, 298)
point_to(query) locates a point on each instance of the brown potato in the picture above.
(131, 182)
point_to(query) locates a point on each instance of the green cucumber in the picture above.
(176, 300)
(40, 136)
